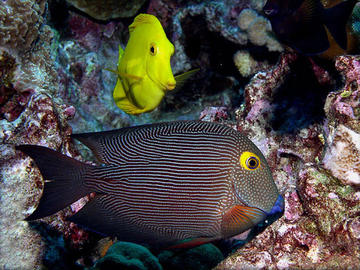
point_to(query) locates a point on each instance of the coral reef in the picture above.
(258, 30)
(303, 118)
(105, 10)
(247, 65)
(83, 80)
(20, 23)
(39, 123)
(22, 29)
(342, 133)
(125, 255)
(319, 229)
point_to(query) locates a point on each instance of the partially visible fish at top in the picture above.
(144, 71)
(309, 28)
(178, 184)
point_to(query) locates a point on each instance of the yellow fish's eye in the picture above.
(249, 161)
(153, 49)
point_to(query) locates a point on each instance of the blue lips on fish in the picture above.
(161, 183)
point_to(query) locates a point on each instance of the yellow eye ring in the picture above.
(249, 161)
(153, 49)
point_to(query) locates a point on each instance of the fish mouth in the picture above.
(162, 86)
(278, 207)
(158, 83)
(275, 213)
(170, 86)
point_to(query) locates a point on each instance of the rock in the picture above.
(106, 10)
(342, 156)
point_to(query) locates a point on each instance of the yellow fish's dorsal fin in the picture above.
(121, 74)
(182, 78)
(141, 19)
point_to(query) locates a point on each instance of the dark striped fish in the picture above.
(162, 182)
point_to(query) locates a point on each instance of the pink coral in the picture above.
(293, 207)
(214, 114)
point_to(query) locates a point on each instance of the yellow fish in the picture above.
(144, 71)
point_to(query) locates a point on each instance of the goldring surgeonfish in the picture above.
(161, 183)
(144, 71)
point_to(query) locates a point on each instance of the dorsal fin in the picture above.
(107, 146)
(312, 11)
(141, 19)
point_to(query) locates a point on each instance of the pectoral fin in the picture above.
(182, 78)
(239, 218)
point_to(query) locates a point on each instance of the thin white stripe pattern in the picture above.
(166, 179)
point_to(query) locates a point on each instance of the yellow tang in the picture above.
(144, 71)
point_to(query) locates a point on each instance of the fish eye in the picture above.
(252, 163)
(249, 161)
(268, 12)
(153, 49)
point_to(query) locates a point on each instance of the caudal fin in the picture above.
(63, 176)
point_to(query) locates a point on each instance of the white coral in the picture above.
(244, 63)
(258, 29)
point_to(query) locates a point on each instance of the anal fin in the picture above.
(192, 242)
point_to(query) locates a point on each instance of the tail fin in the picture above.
(64, 179)
(336, 19)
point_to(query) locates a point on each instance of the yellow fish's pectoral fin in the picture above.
(124, 75)
(129, 108)
(182, 78)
